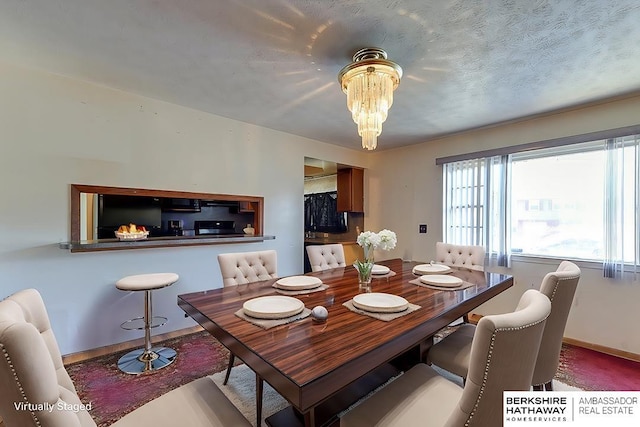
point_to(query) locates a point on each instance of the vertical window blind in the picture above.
(475, 204)
(577, 201)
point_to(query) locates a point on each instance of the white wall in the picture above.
(56, 131)
(405, 189)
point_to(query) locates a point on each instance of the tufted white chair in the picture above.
(453, 353)
(240, 268)
(560, 287)
(503, 356)
(326, 257)
(247, 267)
(31, 372)
(467, 256)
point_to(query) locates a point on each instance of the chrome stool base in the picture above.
(140, 323)
(140, 361)
(147, 359)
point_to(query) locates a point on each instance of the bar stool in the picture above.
(146, 359)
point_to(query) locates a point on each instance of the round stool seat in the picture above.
(149, 358)
(146, 282)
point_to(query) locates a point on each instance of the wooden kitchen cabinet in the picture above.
(351, 190)
(246, 207)
(352, 252)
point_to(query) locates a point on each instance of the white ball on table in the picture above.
(319, 313)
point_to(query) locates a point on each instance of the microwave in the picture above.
(180, 205)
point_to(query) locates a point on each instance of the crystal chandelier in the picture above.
(369, 82)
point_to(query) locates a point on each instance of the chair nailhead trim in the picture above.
(555, 288)
(487, 365)
(15, 377)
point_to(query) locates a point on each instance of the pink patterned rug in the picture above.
(595, 371)
(113, 393)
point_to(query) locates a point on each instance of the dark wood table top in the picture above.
(307, 361)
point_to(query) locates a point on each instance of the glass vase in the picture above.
(364, 275)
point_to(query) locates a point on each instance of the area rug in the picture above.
(113, 394)
(241, 391)
(594, 371)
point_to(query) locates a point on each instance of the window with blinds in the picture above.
(575, 201)
(464, 201)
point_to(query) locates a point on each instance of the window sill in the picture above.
(554, 261)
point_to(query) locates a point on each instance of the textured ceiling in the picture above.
(274, 63)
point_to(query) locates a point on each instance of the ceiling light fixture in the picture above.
(369, 82)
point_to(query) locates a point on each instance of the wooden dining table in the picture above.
(321, 368)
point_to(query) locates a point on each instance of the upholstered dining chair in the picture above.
(37, 390)
(248, 267)
(240, 268)
(560, 287)
(503, 356)
(467, 256)
(453, 353)
(470, 257)
(326, 257)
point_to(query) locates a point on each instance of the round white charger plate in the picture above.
(297, 283)
(272, 307)
(380, 269)
(379, 302)
(432, 269)
(441, 280)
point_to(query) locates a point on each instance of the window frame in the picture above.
(627, 136)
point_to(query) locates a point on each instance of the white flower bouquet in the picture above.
(385, 240)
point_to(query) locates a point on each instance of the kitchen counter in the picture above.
(160, 242)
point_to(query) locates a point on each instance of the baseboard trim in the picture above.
(474, 318)
(127, 345)
(603, 349)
